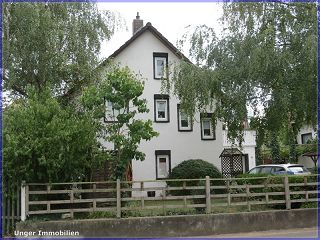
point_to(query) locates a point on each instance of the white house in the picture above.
(148, 53)
(305, 134)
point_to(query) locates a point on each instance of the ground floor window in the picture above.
(163, 163)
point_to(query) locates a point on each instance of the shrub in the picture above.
(193, 169)
(253, 179)
(258, 179)
(105, 214)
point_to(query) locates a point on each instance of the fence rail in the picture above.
(119, 197)
(11, 212)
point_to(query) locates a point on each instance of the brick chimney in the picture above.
(136, 24)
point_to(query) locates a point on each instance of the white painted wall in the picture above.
(138, 56)
(306, 161)
(248, 145)
(304, 130)
(183, 145)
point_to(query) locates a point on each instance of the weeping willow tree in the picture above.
(50, 51)
(53, 45)
(265, 60)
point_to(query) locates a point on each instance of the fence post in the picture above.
(248, 196)
(72, 201)
(118, 199)
(208, 195)
(287, 192)
(23, 201)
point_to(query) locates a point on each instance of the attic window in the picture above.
(160, 65)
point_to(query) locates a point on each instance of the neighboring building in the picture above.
(148, 53)
(305, 135)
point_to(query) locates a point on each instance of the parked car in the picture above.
(290, 169)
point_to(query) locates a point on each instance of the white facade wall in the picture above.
(248, 145)
(306, 161)
(305, 130)
(138, 56)
(183, 145)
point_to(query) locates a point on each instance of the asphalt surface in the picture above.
(287, 233)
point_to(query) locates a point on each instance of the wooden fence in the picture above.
(11, 211)
(119, 197)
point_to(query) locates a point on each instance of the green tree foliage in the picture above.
(275, 149)
(43, 142)
(52, 45)
(125, 130)
(194, 169)
(266, 59)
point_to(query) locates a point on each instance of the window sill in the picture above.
(207, 139)
(162, 121)
(185, 130)
(161, 178)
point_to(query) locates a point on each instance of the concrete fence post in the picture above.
(23, 201)
(118, 199)
(208, 195)
(287, 192)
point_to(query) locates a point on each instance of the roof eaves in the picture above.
(157, 34)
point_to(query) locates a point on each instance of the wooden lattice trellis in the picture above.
(231, 162)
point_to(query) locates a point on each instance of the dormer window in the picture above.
(160, 65)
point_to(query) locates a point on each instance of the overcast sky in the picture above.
(169, 18)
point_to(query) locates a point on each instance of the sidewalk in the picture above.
(287, 233)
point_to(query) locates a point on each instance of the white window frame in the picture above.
(166, 154)
(166, 173)
(162, 57)
(306, 135)
(157, 99)
(111, 114)
(180, 127)
(160, 119)
(212, 130)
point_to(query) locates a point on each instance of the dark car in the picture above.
(290, 169)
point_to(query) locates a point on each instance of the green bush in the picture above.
(263, 179)
(105, 214)
(193, 169)
(254, 179)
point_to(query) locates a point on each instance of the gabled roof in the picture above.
(158, 35)
(230, 152)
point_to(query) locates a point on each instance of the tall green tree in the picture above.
(275, 149)
(120, 90)
(53, 45)
(266, 60)
(44, 142)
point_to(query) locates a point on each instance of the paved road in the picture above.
(289, 233)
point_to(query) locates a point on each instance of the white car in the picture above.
(290, 169)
